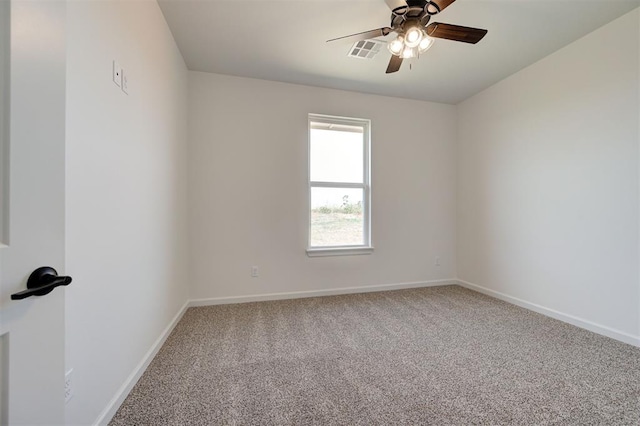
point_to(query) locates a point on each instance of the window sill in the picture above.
(339, 251)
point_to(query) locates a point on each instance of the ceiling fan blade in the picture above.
(394, 64)
(440, 5)
(455, 32)
(399, 7)
(366, 35)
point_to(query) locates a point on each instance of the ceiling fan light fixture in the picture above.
(413, 37)
(414, 34)
(425, 44)
(396, 45)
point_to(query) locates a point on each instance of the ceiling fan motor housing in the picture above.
(416, 13)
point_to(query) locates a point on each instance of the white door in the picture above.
(32, 140)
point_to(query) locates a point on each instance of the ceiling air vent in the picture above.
(365, 49)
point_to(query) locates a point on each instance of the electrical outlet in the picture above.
(254, 272)
(437, 260)
(68, 390)
(117, 74)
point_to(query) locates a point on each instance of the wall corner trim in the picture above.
(570, 319)
(122, 393)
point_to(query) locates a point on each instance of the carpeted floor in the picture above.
(441, 356)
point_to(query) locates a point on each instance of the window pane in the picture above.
(337, 217)
(337, 155)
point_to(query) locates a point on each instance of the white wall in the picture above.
(548, 181)
(126, 194)
(248, 188)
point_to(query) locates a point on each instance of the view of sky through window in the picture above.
(336, 156)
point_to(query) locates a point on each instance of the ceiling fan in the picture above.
(410, 20)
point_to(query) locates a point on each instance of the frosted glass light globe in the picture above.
(409, 52)
(425, 44)
(396, 46)
(413, 37)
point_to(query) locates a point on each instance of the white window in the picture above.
(339, 186)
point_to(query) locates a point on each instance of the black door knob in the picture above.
(42, 281)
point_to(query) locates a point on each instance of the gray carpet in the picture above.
(441, 356)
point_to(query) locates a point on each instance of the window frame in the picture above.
(341, 250)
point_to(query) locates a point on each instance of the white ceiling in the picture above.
(284, 40)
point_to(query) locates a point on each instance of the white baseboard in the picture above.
(111, 409)
(317, 293)
(573, 320)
